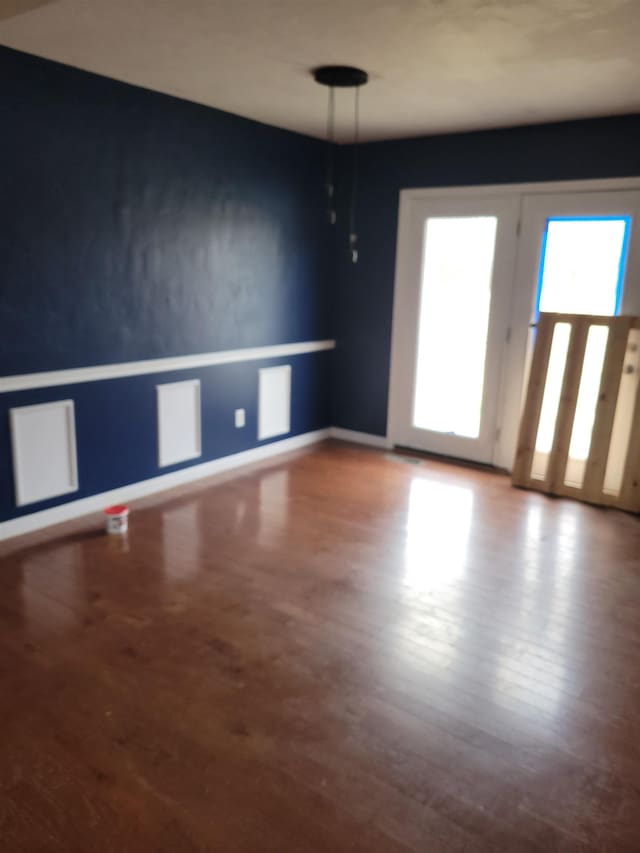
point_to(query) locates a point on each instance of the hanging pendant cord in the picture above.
(331, 113)
(353, 237)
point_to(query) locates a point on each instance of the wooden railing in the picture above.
(610, 473)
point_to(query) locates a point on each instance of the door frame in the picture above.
(515, 347)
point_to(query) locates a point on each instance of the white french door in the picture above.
(473, 270)
(456, 260)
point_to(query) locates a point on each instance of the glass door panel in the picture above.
(456, 286)
(582, 261)
(451, 310)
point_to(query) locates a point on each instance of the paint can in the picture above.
(117, 518)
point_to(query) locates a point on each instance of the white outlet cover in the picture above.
(240, 418)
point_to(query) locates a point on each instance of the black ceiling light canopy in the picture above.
(342, 77)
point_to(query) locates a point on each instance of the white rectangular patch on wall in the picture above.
(274, 401)
(43, 444)
(179, 432)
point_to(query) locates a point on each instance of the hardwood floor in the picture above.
(334, 652)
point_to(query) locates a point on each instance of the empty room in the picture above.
(319, 426)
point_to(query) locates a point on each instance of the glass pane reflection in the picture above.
(438, 525)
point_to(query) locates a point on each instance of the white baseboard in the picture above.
(96, 503)
(360, 437)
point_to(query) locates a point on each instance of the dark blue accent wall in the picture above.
(602, 148)
(135, 225)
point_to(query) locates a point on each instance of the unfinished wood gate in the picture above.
(609, 472)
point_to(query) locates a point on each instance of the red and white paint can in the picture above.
(117, 518)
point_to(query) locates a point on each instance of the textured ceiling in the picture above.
(435, 65)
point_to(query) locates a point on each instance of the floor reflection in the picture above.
(181, 541)
(240, 514)
(435, 557)
(531, 675)
(567, 544)
(53, 590)
(453, 611)
(532, 544)
(438, 525)
(273, 510)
